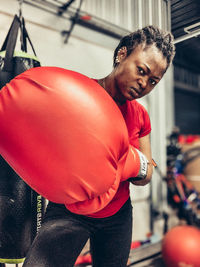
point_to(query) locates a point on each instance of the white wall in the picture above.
(79, 55)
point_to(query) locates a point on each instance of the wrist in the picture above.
(143, 167)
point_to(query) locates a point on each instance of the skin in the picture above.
(135, 76)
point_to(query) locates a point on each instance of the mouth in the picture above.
(134, 92)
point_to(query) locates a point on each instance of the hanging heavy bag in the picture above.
(21, 208)
(14, 62)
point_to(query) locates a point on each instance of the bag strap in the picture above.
(22, 36)
(3, 48)
(25, 37)
(10, 43)
(11, 40)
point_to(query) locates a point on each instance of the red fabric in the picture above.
(138, 125)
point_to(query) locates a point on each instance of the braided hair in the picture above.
(149, 35)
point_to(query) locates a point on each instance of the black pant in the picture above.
(64, 234)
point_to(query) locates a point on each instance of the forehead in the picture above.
(149, 55)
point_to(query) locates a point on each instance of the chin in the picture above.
(130, 97)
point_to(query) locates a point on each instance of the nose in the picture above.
(143, 82)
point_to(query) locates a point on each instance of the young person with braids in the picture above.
(140, 61)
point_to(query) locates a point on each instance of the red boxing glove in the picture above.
(65, 137)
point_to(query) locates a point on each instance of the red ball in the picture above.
(181, 247)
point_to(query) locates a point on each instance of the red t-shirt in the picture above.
(138, 124)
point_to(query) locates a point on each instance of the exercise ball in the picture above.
(181, 247)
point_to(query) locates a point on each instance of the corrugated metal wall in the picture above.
(129, 14)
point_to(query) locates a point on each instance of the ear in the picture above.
(122, 54)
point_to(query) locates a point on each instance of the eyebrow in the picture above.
(149, 71)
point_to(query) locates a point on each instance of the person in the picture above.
(140, 61)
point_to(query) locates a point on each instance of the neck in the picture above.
(108, 84)
(102, 82)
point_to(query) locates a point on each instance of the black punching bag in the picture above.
(21, 208)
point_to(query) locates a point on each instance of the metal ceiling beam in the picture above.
(94, 23)
(187, 36)
(65, 6)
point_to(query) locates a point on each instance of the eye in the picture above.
(141, 71)
(152, 82)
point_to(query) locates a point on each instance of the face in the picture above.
(137, 75)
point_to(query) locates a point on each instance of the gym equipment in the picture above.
(181, 247)
(181, 193)
(72, 143)
(12, 62)
(21, 208)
